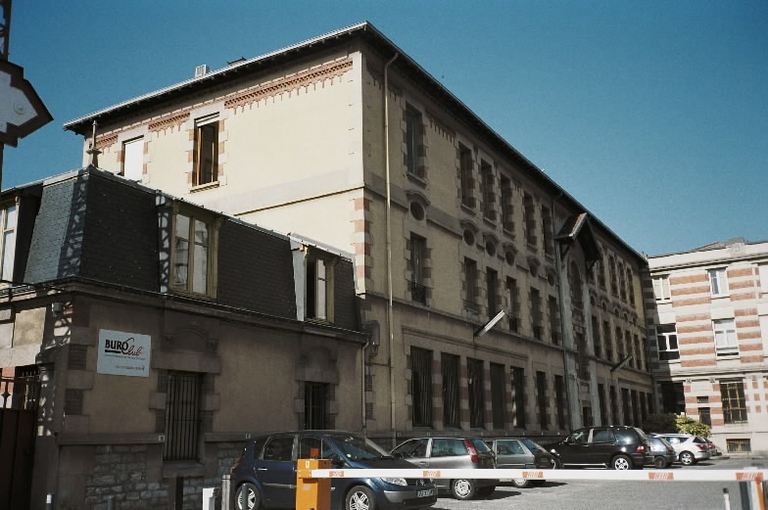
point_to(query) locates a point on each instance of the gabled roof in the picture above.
(577, 228)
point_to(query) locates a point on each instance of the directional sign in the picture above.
(21, 110)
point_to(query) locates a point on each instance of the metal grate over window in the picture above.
(182, 416)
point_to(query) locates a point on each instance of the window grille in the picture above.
(182, 416)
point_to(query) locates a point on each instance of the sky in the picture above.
(652, 114)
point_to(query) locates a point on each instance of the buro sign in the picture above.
(122, 353)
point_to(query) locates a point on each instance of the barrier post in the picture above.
(312, 493)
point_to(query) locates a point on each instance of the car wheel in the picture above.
(247, 497)
(463, 488)
(521, 483)
(687, 459)
(360, 497)
(621, 463)
(660, 462)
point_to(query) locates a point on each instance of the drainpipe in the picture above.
(390, 305)
(561, 309)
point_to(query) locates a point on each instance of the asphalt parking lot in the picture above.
(620, 495)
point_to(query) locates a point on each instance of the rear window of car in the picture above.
(626, 436)
(479, 445)
(450, 447)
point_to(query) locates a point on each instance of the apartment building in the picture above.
(495, 301)
(143, 338)
(709, 310)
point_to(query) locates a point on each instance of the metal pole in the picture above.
(726, 499)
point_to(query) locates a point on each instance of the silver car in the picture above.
(690, 449)
(521, 453)
(452, 453)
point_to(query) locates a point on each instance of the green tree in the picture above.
(688, 425)
(660, 423)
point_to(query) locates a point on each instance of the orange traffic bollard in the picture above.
(312, 493)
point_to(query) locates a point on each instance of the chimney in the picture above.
(201, 70)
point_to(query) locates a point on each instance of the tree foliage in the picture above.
(660, 423)
(688, 425)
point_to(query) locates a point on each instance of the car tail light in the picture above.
(472, 452)
(640, 448)
(701, 447)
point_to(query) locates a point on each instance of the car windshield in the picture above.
(358, 448)
(534, 447)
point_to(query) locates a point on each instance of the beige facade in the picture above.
(346, 140)
(709, 308)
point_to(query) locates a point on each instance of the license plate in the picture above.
(425, 493)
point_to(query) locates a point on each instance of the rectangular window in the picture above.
(734, 403)
(554, 319)
(470, 284)
(541, 399)
(608, 340)
(718, 283)
(530, 219)
(206, 151)
(133, 159)
(507, 205)
(536, 313)
(498, 395)
(8, 219)
(597, 342)
(666, 338)
(317, 397)
(421, 386)
(602, 400)
(514, 304)
(449, 364)
(319, 289)
(414, 141)
(489, 191)
(182, 416)
(562, 406)
(518, 397)
(548, 230)
(190, 255)
(476, 392)
(738, 445)
(466, 165)
(492, 290)
(726, 343)
(418, 255)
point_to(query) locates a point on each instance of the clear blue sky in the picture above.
(653, 114)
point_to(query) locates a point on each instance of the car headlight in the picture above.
(396, 481)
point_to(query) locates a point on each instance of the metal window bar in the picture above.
(476, 392)
(421, 380)
(450, 372)
(182, 419)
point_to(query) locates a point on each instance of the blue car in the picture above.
(264, 477)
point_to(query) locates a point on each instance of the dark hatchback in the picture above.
(615, 447)
(264, 476)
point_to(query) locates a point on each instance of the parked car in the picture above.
(264, 476)
(617, 447)
(452, 453)
(714, 451)
(521, 453)
(662, 452)
(690, 449)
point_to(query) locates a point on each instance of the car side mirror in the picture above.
(336, 460)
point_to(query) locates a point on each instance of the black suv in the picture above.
(616, 447)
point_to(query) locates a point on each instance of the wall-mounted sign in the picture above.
(122, 353)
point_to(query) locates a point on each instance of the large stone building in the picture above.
(709, 309)
(347, 140)
(143, 337)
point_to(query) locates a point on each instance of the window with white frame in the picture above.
(206, 169)
(666, 339)
(718, 283)
(191, 254)
(726, 342)
(133, 159)
(734, 401)
(8, 218)
(661, 288)
(319, 289)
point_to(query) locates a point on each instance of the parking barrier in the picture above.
(752, 477)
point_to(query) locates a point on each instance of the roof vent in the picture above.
(201, 70)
